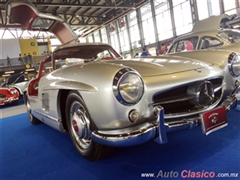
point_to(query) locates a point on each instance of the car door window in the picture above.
(173, 48)
(230, 35)
(188, 44)
(210, 42)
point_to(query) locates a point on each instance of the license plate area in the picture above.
(214, 120)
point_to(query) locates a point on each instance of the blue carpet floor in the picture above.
(42, 153)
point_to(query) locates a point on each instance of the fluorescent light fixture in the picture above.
(9, 72)
(5, 75)
(236, 26)
(49, 67)
(30, 69)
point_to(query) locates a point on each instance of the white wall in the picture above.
(42, 48)
(9, 47)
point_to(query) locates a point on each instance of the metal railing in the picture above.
(15, 62)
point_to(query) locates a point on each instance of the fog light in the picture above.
(133, 115)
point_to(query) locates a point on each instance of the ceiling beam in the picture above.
(110, 19)
(10, 26)
(76, 5)
(12, 33)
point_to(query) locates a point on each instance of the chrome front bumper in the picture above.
(157, 131)
(7, 101)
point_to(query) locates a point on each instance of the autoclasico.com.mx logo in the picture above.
(189, 174)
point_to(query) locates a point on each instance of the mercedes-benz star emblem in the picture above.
(205, 94)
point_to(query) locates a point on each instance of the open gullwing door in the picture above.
(23, 12)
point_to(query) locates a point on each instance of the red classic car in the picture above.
(8, 95)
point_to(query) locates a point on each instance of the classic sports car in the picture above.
(8, 95)
(209, 33)
(17, 81)
(127, 102)
(104, 104)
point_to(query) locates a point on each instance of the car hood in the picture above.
(155, 66)
(213, 56)
(2, 90)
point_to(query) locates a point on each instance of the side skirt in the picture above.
(49, 120)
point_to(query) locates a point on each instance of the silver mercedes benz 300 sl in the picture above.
(105, 103)
(102, 101)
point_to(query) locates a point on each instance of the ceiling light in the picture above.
(9, 72)
(236, 26)
(30, 70)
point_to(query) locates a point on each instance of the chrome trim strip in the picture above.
(47, 116)
(219, 88)
(190, 113)
(172, 101)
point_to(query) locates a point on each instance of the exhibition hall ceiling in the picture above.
(84, 16)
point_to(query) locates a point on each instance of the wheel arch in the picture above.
(62, 99)
(18, 89)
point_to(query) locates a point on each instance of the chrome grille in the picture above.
(177, 101)
(3, 96)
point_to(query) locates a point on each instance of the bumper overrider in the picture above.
(157, 131)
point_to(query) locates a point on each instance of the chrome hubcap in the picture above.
(80, 125)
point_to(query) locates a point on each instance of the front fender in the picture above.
(69, 85)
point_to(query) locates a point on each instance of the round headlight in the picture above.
(128, 87)
(14, 91)
(234, 64)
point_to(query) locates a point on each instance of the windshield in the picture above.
(83, 54)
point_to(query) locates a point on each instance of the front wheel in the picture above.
(79, 122)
